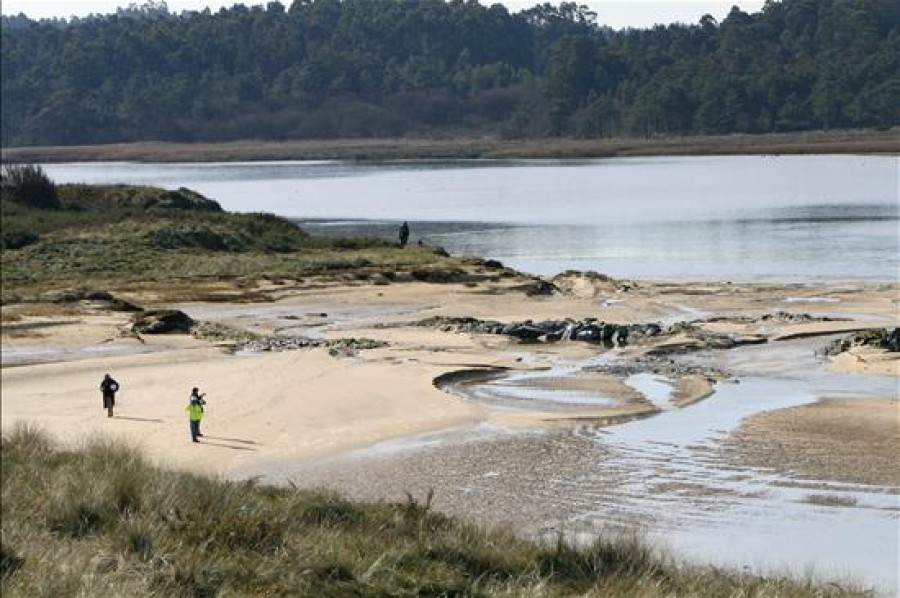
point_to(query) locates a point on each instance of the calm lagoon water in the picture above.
(733, 217)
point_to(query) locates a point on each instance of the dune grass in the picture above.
(118, 236)
(100, 520)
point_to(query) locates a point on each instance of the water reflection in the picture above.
(735, 217)
(838, 242)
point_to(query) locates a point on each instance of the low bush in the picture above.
(29, 185)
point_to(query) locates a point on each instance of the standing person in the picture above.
(109, 388)
(195, 412)
(404, 234)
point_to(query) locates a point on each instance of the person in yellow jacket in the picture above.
(195, 412)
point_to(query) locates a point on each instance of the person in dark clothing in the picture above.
(109, 388)
(195, 412)
(404, 234)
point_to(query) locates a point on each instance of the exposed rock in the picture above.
(379, 279)
(784, 316)
(440, 275)
(538, 288)
(526, 332)
(276, 343)
(587, 330)
(659, 365)
(653, 329)
(882, 338)
(779, 316)
(219, 332)
(161, 321)
(463, 325)
(698, 340)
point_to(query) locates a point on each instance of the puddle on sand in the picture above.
(655, 389)
(811, 300)
(547, 389)
(40, 353)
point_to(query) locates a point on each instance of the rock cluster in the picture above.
(212, 331)
(661, 366)
(591, 330)
(778, 316)
(161, 321)
(699, 338)
(165, 321)
(289, 343)
(587, 330)
(883, 338)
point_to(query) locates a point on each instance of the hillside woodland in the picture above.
(356, 68)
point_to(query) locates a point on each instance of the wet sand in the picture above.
(853, 441)
(867, 360)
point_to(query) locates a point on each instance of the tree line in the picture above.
(385, 68)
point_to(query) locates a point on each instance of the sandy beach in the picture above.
(308, 404)
(696, 414)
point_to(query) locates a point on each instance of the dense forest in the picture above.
(387, 68)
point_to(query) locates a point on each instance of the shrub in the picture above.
(28, 184)
(17, 240)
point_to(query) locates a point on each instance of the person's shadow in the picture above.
(231, 439)
(206, 440)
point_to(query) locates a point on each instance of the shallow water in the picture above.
(664, 474)
(751, 518)
(11, 355)
(731, 217)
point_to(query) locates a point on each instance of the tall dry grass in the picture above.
(100, 520)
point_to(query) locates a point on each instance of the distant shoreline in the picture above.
(815, 142)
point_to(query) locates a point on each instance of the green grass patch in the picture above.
(100, 520)
(116, 235)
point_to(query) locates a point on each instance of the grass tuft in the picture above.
(9, 563)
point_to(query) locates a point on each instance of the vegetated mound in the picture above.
(102, 521)
(146, 217)
(228, 232)
(110, 235)
(98, 197)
